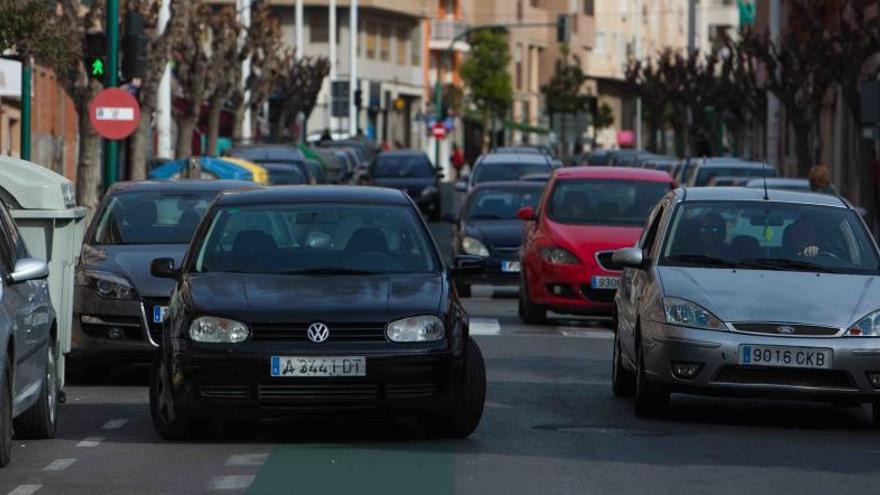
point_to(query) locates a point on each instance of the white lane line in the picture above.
(59, 465)
(247, 459)
(90, 442)
(587, 334)
(114, 424)
(498, 405)
(240, 482)
(485, 326)
(25, 489)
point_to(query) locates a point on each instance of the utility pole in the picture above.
(300, 39)
(26, 77)
(772, 102)
(111, 148)
(163, 106)
(353, 34)
(692, 26)
(333, 75)
(244, 12)
(638, 50)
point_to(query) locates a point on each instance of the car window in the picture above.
(649, 235)
(15, 240)
(767, 235)
(151, 217)
(291, 238)
(604, 202)
(497, 172)
(7, 251)
(402, 166)
(500, 204)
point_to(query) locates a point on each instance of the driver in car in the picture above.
(800, 239)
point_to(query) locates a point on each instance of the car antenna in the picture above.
(764, 173)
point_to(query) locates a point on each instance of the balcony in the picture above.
(443, 31)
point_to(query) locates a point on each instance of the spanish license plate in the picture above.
(510, 266)
(786, 357)
(159, 313)
(296, 366)
(612, 283)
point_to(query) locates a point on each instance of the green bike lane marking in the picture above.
(425, 468)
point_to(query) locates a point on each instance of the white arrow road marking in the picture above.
(239, 482)
(59, 465)
(90, 442)
(247, 459)
(25, 489)
(485, 326)
(114, 424)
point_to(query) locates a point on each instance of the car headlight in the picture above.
(428, 191)
(107, 285)
(559, 256)
(212, 330)
(474, 247)
(687, 314)
(868, 326)
(68, 194)
(416, 329)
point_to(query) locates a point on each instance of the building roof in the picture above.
(316, 194)
(613, 173)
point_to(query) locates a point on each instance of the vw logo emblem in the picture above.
(785, 330)
(318, 332)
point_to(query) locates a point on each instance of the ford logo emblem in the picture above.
(318, 332)
(786, 330)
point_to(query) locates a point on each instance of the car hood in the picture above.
(589, 239)
(132, 262)
(306, 298)
(496, 233)
(834, 300)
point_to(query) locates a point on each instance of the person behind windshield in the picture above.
(800, 239)
(711, 235)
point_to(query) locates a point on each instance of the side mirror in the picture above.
(469, 265)
(629, 257)
(449, 218)
(164, 268)
(28, 269)
(526, 213)
(461, 186)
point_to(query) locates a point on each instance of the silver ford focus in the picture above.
(746, 293)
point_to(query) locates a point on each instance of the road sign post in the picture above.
(26, 71)
(111, 149)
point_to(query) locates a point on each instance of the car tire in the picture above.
(41, 420)
(5, 415)
(170, 423)
(464, 290)
(622, 380)
(651, 399)
(468, 408)
(529, 312)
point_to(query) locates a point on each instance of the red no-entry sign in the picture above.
(439, 130)
(114, 114)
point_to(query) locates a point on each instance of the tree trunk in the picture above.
(214, 111)
(185, 128)
(88, 174)
(140, 142)
(802, 148)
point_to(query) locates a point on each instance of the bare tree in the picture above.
(299, 86)
(645, 80)
(226, 45)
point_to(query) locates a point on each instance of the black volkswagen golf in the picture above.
(312, 300)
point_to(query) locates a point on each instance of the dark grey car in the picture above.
(118, 305)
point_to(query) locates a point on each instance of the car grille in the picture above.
(773, 329)
(317, 394)
(598, 295)
(339, 332)
(605, 261)
(225, 391)
(99, 326)
(155, 328)
(410, 390)
(784, 376)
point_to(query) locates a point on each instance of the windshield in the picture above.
(317, 238)
(403, 166)
(151, 217)
(497, 172)
(765, 235)
(705, 175)
(502, 204)
(605, 202)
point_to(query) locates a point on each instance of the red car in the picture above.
(585, 214)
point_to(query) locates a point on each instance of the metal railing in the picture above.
(444, 29)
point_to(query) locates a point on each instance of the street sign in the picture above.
(114, 114)
(439, 131)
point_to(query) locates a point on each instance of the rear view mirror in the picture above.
(526, 213)
(28, 269)
(164, 268)
(629, 257)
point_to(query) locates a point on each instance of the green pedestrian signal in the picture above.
(96, 67)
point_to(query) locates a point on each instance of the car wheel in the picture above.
(622, 379)
(464, 290)
(469, 406)
(5, 415)
(169, 421)
(529, 312)
(40, 421)
(651, 399)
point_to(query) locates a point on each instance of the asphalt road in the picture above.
(551, 426)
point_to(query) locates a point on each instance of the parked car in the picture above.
(335, 166)
(348, 307)
(734, 293)
(598, 157)
(708, 168)
(118, 306)
(499, 167)
(28, 372)
(723, 181)
(283, 174)
(274, 154)
(487, 226)
(585, 214)
(413, 173)
(316, 171)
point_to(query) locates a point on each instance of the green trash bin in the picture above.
(52, 226)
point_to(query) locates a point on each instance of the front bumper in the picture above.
(721, 374)
(494, 273)
(428, 203)
(238, 383)
(568, 289)
(107, 329)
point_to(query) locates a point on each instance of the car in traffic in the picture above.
(500, 167)
(707, 169)
(28, 371)
(724, 181)
(274, 154)
(586, 214)
(412, 172)
(284, 174)
(118, 306)
(738, 292)
(784, 183)
(487, 226)
(321, 300)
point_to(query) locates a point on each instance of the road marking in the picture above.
(25, 489)
(114, 424)
(59, 465)
(498, 405)
(90, 442)
(247, 459)
(239, 482)
(587, 334)
(485, 326)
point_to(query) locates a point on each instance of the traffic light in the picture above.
(95, 55)
(134, 47)
(563, 28)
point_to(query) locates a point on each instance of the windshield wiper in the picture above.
(701, 260)
(330, 271)
(784, 264)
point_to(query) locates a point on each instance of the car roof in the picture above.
(403, 153)
(496, 158)
(731, 162)
(519, 149)
(509, 184)
(267, 152)
(778, 181)
(756, 194)
(181, 185)
(316, 194)
(613, 173)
